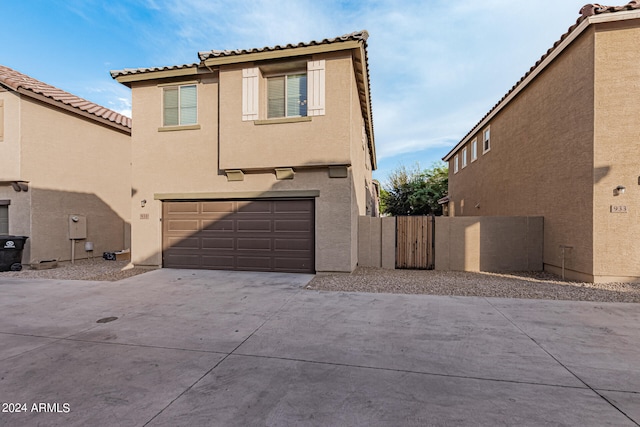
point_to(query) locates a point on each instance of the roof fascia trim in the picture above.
(281, 53)
(153, 75)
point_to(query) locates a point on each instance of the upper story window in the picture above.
(1, 119)
(486, 140)
(287, 96)
(288, 89)
(455, 164)
(464, 157)
(180, 104)
(474, 150)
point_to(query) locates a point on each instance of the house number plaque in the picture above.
(618, 209)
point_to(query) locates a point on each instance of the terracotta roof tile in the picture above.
(359, 35)
(585, 12)
(128, 71)
(15, 80)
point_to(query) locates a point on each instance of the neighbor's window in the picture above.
(287, 96)
(464, 157)
(486, 138)
(180, 105)
(455, 164)
(4, 218)
(474, 150)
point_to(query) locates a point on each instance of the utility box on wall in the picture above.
(77, 227)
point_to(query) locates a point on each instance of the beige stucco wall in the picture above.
(74, 166)
(541, 159)
(191, 162)
(617, 151)
(10, 140)
(377, 242)
(322, 140)
(489, 243)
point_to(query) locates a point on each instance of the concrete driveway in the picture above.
(200, 348)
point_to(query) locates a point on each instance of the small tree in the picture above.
(414, 191)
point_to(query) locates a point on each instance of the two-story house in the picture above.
(256, 159)
(62, 157)
(564, 143)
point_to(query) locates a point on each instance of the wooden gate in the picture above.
(415, 242)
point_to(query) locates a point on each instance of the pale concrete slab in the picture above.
(245, 391)
(441, 335)
(206, 347)
(599, 342)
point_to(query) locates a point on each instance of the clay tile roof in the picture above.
(359, 35)
(585, 12)
(17, 81)
(128, 71)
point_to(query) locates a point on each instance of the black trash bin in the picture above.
(11, 252)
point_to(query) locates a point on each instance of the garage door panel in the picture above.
(182, 242)
(264, 235)
(183, 208)
(250, 207)
(183, 225)
(217, 243)
(292, 225)
(216, 207)
(218, 225)
(282, 206)
(253, 244)
(262, 226)
(292, 245)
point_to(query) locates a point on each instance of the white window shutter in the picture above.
(250, 93)
(315, 88)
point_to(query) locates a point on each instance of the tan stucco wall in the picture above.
(191, 162)
(74, 166)
(541, 159)
(489, 243)
(377, 242)
(617, 151)
(10, 141)
(323, 140)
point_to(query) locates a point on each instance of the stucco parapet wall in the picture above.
(591, 14)
(238, 195)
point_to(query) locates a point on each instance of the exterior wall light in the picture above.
(143, 202)
(620, 189)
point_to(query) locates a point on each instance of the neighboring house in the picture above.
(564, 144)
(62, 156)
(254, 159)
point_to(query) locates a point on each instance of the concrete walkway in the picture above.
(200, 348)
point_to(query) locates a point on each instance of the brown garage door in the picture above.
(256, 235)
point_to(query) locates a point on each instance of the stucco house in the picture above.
(564, 143)
(62, 157)
(256, 159)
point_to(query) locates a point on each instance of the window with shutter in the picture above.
(1, 119)
(180, 105)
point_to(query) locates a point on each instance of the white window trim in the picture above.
(485, 148)
(474, 150)
(179, 125)
(455, 164)
(464, 157)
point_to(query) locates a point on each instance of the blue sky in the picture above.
(437, 66)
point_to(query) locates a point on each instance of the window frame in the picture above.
(474, 150)
(285, 75)
(486, 141)
(179, 88)
(456, 169)
(464, 157)
(4, 205)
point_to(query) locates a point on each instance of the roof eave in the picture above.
(573, 35)
(127, 79)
